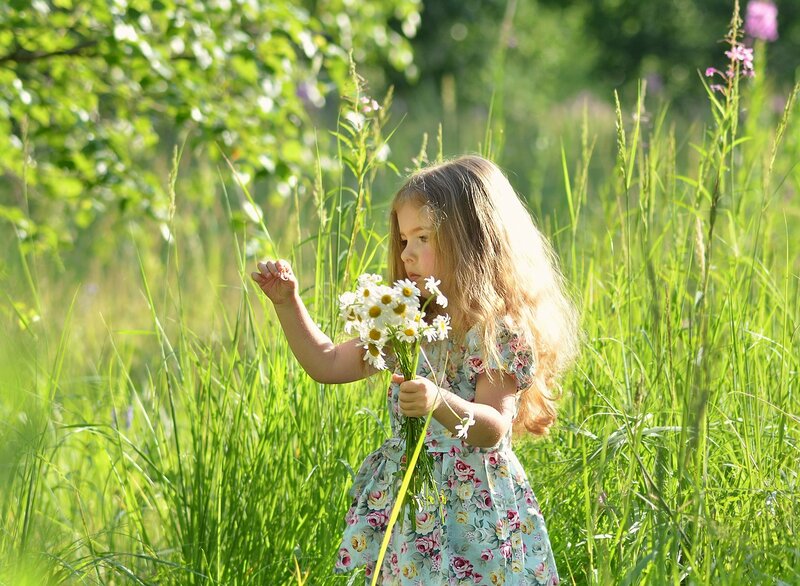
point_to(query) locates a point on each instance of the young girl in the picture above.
(514, 333)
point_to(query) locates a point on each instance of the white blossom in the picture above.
(466, 422)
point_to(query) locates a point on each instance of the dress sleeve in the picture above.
(516, 358)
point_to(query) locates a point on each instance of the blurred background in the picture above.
(95, 96)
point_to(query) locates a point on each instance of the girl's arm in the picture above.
(324, 361)
(493, 408)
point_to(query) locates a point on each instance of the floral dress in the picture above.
(491, 531)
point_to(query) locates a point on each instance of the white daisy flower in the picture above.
(429, 332)
(382, 308)
(352, 325)
(401, 309)
(432, 285)
(372, 334)
(387, 296)
(367, 293)
(373, 309)
(375, 356)
(408, 289)
(346, 299)
(369, 280)
(347, 303)
(441, 325)
(408, 331)
(466, 422)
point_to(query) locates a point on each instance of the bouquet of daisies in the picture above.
(391, 317)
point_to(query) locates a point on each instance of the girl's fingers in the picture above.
(268, 269)
(398, 378)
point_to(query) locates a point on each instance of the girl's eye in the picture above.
(423, 238)
(403, 242)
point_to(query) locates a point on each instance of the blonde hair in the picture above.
(497, 270)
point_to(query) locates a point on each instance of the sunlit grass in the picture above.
(154, 427)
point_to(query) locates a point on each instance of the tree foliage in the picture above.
(91, 90)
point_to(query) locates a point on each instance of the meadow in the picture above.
(154, 427)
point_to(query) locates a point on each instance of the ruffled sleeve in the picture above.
(516, 357)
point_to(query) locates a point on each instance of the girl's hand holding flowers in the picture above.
(276, 280)
(418, 396)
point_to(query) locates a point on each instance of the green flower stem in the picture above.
(407, 479)
(417, 472)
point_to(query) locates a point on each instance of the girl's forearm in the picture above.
(490, 425)
(313, 349)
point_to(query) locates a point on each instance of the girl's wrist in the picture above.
(289, 300)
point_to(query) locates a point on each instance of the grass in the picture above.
(154, 427)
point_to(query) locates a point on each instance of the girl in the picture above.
(515, 331)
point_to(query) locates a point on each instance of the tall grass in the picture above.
(176, 441)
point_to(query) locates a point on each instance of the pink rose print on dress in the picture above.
(424, 545)
(513, 519)
(505, 549)
(487, 555)
(437, 538)
(344, 558)
(542, 573)
(493, 458)
(377, 519)
(436, 562)
(462, 567)
(529, 497)
(463, 470)
(484, 502)
(475, 363)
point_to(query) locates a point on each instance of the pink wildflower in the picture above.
(369, 105)
(761, 20)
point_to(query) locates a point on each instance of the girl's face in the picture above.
(416, 235)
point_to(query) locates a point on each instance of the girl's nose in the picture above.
(405, 255)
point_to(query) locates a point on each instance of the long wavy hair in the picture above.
(497, 270)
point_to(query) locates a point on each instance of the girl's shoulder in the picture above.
(509, 352)
(504, 332)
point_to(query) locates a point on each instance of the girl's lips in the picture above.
(413, 276)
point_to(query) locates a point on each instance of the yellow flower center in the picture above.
(386, 299)
(409, 332)
(407, 292)
(374, 311)
(400, 309)
(374, 350)
(374, 334)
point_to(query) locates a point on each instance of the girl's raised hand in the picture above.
(276, 280)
